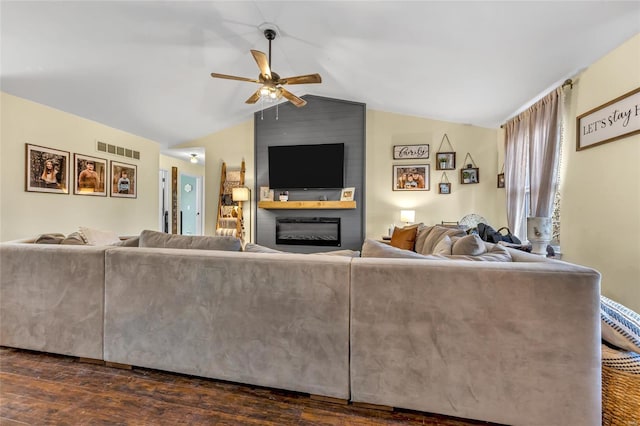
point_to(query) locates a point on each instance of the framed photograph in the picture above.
(614, 120)
(444, 188)
(90, 175)
(413, 177)
(124, 180)
(47, 170)
(470, 175)
(266, 194)
(347, 194)
(500, 180)
(410, 152)
(446, 161)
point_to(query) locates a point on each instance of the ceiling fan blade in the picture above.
(254, 98)
(302, 79)
(233, 77)
(263, 63)
(293, 98)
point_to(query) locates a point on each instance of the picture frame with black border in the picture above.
(124, 180)
(46, 170)
(500, 183)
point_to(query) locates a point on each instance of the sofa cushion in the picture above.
(97, 237)
(257, 248)
(74, 239)
(373, 248)
(469, 245)
(53, 238)
(429, 236)
(404, 238)
(129, 242)
(157, 239)
(620, 325)
(345, 252)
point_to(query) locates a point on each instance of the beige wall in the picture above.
(184, 167)
(25, 214)
(230, 146)
(384, 130)
(600, 210)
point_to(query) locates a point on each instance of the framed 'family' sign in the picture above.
(410, 152)
(614, 120)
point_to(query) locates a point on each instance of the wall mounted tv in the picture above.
(306, 166)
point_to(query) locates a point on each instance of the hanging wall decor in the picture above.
(444, 187)
(47, 170)
(470, 173)
(445, 160)
(501, 178)
(414, 177)
(410, 152)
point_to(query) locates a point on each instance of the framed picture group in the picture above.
(50, 170)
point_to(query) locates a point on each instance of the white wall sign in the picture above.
(406, 152)
(614, 120)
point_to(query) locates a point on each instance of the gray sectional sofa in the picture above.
(508, 342)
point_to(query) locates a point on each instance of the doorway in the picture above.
(165, 201)
(190, 204)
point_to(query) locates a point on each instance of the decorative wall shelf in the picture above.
(300, 205)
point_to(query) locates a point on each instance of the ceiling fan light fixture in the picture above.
(194, 158)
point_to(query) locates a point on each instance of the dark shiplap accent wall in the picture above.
(322, 120)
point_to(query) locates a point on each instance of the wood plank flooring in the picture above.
(45, 389)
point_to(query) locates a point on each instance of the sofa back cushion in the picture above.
(372, 248)
(157, 239)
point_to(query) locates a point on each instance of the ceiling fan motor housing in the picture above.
(270, 34)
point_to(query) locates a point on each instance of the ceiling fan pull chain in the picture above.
(277, 111)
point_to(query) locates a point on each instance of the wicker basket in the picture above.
(620, 398)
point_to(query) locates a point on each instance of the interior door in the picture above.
(189, 205)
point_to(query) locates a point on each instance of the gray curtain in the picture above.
(532, 153)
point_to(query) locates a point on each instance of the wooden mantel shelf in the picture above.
(298, 205)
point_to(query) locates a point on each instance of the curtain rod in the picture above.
(567, 82)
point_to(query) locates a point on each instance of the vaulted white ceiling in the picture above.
(144, 66)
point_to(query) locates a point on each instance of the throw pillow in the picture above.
(161, 240)
(53, 238)
(469, 245)
(404, 238)
(96, 237)
(620, 325)
(621, 360)
(429, 236)
(372, 248)
(74, 239)
(444, 246)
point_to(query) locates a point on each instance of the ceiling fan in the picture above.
(271, 82)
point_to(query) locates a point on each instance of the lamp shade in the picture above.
(407, 216)
(240, 194)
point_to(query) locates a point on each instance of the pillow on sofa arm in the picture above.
(157, 239)
(620, 325)
(404, 238)
(428, 237)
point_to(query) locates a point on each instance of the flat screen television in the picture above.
(306, 166)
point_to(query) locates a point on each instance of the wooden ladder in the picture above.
(229, 221)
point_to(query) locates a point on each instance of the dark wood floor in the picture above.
(44, 389)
